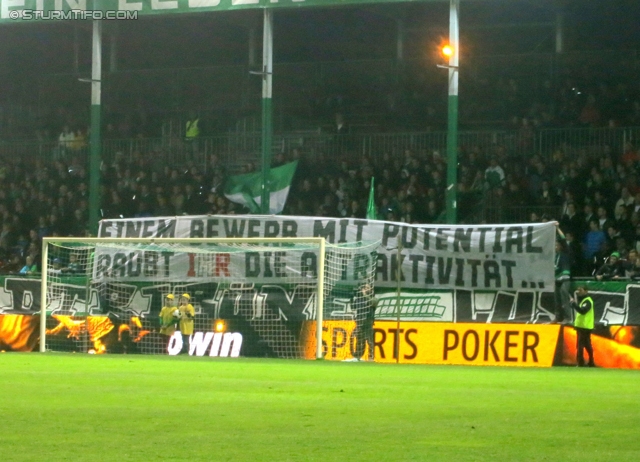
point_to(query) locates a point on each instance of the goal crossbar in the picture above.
(320, 242)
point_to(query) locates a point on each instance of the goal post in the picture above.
(267, 295)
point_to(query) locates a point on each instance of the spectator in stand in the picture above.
(636, 205)
(593, 240)
(623, 224)
(633, 268)
(355, 211)
(636, 240)
(21, 245)
(630, 261)
(78, 224)
(79, 141)
(612, 269)
(599, 200)
(515, 195)
(603, 219)
(54, 226)
(535, 176)
(547, 196)
(34, 250)
(29, 267)
(575, 255)
(330, 204)
(432, 213)
(608, 171)
(74, 266)
(7, 233)
(5, 253)
(477, 185)
(630, 156)
(162, 208)
(494, 175)
(178, 201)
(612, 235)
(13, 264)
(588, 215)
(42, 229)
(408, 215)
(66, 139)
(571, 222)
(621, 247)
(193, 199)
(566, 194)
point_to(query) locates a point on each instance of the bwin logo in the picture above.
(222, 345)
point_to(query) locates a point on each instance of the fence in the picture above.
(587, 140)
(235, 150)
(494, 213)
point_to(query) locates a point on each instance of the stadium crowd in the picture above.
(593, 193)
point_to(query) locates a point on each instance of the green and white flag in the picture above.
(246, 189)
(371, 206)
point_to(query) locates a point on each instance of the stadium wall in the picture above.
(129, 325)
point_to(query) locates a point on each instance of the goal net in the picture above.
(206, 297)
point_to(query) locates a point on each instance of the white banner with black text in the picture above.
(504, 257)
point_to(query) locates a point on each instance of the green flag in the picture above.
(246, 189)
(371, 206)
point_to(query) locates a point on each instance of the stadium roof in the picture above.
(13, 11)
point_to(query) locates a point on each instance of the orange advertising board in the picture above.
(445, 343)
(615, 347)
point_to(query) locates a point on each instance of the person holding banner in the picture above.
(584, 324)
(563, 279)
(187, 313)
(364, 303)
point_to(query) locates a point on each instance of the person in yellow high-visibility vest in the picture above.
(169, 316)
(192, 129)
(584, 324)
(192, 133)
(187, 314)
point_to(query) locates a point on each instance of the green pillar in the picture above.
(452, 160)
(452, 129)
(95, 139)
(267, 109)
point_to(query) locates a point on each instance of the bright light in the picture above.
(447, 51)
(220, 327)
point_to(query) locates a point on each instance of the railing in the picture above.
(495, 214)
(44, 151)
(234, 151)
(588, 140)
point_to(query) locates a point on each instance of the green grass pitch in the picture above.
(121, 408)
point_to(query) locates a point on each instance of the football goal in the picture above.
(260, 297)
